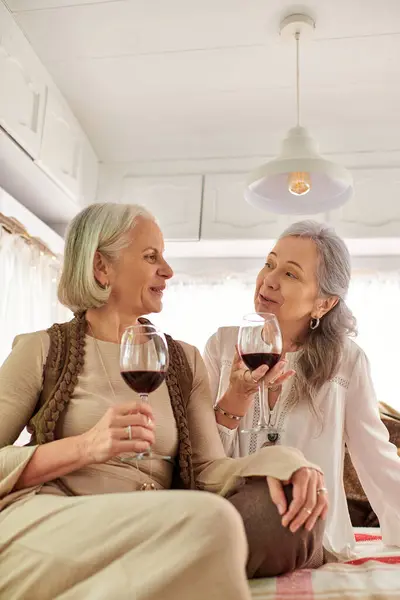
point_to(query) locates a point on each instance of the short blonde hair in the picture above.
(102, 228)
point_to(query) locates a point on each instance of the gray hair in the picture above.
(99, 227)
(322, 348)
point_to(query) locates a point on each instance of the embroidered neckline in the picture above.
(340, 381)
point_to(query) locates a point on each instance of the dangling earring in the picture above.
(314, 323)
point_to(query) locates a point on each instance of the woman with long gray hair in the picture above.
(320, 394)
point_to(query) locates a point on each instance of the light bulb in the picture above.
(299, 183)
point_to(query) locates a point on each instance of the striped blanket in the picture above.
(373, 575)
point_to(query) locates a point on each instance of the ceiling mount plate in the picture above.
(297, 23)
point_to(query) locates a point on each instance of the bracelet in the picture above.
(217, 408)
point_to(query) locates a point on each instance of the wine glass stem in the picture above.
(262, 422)
(145, 398)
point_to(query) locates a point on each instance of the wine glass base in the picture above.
(148, 455)
(252, 430)
(256, 429)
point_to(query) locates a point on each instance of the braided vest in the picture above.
(65, 363)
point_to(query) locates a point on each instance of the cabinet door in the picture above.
(374, 210)
(175, 201)
(90, 174)
(62, 146)
(22, 90)
(290, 219)
(226, 214)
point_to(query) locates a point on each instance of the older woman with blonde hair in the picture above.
(74, 520)
(320, 394)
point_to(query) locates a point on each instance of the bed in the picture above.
(373, 575)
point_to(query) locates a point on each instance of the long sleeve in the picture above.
(20, 385)
(213, 470)
(374, 457)
(212, 361)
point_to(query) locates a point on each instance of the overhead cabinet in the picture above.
(36, 116)
(371, 213)
(61, 151)
(22, 90)
(174, 200)
(226, 214)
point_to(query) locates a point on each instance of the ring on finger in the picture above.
(322, 490)
(129, 431)
(307, 510)
(273, 387)
(251, 375)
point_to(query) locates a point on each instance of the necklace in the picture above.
(275, 418)
(275, 421)
(273, 434)
(147, 486)
(275, 424)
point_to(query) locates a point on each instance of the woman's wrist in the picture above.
(82, 447)
(236, 403)
(232, 408)
(54, 460)
(225, 421)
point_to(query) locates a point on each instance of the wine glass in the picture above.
(260, 343)
(143, 364)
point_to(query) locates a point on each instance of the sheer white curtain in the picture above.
(194, 309)
(28, 299)
(375, 301)
(28, 283)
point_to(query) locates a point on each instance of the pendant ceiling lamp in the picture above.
(299, 181)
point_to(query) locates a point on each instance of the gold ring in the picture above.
(322, 490)
(129, 431)
(273, 387)
(307, 510)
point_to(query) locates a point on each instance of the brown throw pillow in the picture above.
(361, 513)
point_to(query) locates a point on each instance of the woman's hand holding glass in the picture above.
(245, 383)
(260, 343)
(124, 428)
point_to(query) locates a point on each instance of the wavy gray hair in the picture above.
(322, 348)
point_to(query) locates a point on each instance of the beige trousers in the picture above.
(168, 545)
(142, 546)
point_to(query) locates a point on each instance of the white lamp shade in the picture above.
(268, 188)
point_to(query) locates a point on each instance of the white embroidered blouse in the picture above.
(350, 415)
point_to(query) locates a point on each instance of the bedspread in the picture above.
(373, 575)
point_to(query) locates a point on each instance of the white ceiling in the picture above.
(192, 79)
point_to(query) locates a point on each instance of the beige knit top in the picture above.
(99, 386)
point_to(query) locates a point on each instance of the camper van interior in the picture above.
(230, 121)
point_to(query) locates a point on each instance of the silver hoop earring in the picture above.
(314, 323)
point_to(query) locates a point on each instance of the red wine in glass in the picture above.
(260, 343)
(253, 360)
(144, 382)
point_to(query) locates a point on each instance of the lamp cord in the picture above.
(297, 38)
